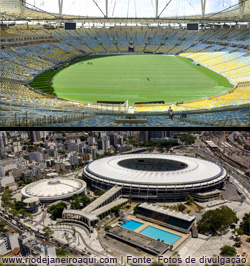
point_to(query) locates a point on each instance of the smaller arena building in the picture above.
(50, 190)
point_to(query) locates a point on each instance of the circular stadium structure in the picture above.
(49, 190)
(45, 46)
(155, 176)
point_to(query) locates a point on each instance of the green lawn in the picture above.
(124, 77)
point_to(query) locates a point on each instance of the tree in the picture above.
(85, 200)
(24, 213)
(161, 149)
(136, 209)
(6, 195)
(107, 227)
(134, 142)
(116, 210)
(227, 251)
(48, 230)
(238, 241)
(75, 205)
(83, 138)
(60, 252)
(20, 183)
(245, 224)
(80, 201)
(98, 192)
(150, 149)
(14, 212)
(130, 197)
(2, 227)
(239, 231)
(189, 199)
(19, 205)
(26, 157)
(188, 139)
(217, 221)
(180, 207)
(57, 209)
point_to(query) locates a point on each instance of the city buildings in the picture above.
(156, 181)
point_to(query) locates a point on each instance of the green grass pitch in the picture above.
(124, 77)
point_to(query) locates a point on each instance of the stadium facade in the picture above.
(155, 176)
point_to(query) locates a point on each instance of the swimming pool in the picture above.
(157, 233)
(131, 224)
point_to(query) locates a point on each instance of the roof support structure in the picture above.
(99, 8)
(60, 5)
(114, 9)
(156, 8)
(22, 6)
(107, 5)
(164, 8)
(203, 8)
(241, 8)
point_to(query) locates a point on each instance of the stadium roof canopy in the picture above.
(54, 189)
(123, 169)
(126, 11)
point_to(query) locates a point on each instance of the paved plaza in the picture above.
(209, 246)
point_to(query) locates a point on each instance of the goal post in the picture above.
(125, 106)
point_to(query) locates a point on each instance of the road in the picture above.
(39, 237)
(11, 226)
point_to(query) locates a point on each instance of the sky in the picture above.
(133, 8)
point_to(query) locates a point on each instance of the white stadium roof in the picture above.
(31, 200)
(54, 189)
(121, 11)
(196, 171)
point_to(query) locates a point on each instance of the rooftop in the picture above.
(31, 200)
(179, 215)
(195, 170)
(99, 201)
(211, 144)
(109, 206)
(96, 208)
(54, 188)
(144, 242)
(216, 191)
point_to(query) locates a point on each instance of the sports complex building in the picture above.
(147, 178)
(50, 190)
(93, 71)
(156, 176)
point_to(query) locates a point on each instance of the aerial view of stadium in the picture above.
(116, 63)
(155, 176)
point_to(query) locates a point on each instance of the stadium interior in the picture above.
(40, 43)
